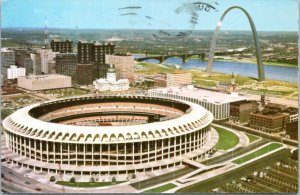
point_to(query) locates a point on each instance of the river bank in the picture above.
(244, 60)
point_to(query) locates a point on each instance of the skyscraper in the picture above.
(66, 64)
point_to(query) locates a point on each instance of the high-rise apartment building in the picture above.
(62, 46)
(94, 53)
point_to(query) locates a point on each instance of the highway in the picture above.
(235, 153)
(258, 133)
(19, 183)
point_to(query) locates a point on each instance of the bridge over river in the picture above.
(185, 57)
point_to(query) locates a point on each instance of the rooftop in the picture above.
(241, 102)
(202, 94)
(46, 76)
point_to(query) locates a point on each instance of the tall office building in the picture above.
(20, 56)
(47, 55)
(7, 59)
(35, 63)
(62, 46)
(124, 65)
(66, 64)
(94, 53)
(84, 74)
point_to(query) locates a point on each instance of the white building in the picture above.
(47, 56)
(124, 66)
(216, 102)
(14, 72)
(111, 83)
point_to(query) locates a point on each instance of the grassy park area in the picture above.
(249, 85)
(227, 139)
(162, 188)
(262, 151)
(251, 137)
(208, 184)
(87, 184)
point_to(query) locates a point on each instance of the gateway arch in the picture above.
(260, 65)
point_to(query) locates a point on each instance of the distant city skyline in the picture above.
(268, 15)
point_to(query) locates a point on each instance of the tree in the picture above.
(114, 180)
(92, 180)
(72, 180)
(52, 178)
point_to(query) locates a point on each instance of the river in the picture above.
(283, 73)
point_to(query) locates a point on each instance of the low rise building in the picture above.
(124, 65)
(179, 79)
(240, 111)
(216, 102)
(226, 86)
(14, 72)
(44, 82)
(160, 80)
(268, 121)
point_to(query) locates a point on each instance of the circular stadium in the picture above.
(108, 134)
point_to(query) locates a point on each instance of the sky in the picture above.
(268, 15)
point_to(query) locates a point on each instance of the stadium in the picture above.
(108, 135)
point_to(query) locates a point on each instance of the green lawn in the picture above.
(251, 137)
(227, 139)
(257, 153)
(87, 184)
(162, 188)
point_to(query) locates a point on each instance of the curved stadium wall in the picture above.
(108, 134)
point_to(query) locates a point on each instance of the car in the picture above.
(27, 182)
(38, 189)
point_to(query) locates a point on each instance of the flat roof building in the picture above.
(268, 121)
(240, 111)
(66, 64)
(14, 72)
(216, 102)
(62, 46)
(47, 55)
(94, 53)
(84, 74)
(44, 82)
(7, 59)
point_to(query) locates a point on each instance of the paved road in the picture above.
(18, 182)
(203, 186)
(235, 153)
(258, 133)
